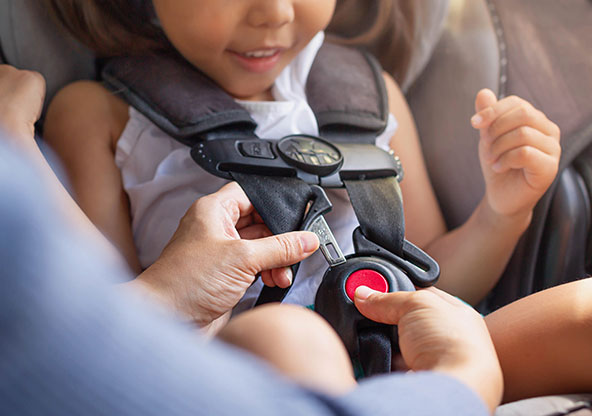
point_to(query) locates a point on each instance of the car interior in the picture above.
(540, 50)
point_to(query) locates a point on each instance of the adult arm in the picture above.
(73, 344)
(21, 100)
(214, 232)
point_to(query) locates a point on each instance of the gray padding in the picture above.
(429, 23)
(465, 60)
(357, 95)
(31, 40)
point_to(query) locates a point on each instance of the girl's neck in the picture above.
(262, 96)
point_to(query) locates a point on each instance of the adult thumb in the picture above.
(282, 250)
(387, 308)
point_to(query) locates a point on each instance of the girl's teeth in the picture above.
(259, 54)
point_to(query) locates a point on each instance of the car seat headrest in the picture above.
(31, 40)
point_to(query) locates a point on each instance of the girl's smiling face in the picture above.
(243, 45)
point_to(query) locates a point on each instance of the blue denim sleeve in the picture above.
(71, 342)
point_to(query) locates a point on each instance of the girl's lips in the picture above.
(254, 62)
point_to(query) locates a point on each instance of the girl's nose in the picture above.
(271, 13)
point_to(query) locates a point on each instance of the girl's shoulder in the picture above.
(85, 109)
(396, 98)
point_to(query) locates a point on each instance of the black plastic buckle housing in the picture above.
(312, 159)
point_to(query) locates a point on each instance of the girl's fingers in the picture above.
(538, 166)
(522, 115)
(485, 98)
(488, 115)
(520, 137)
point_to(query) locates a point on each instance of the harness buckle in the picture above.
(315, 222)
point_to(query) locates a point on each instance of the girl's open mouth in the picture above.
(261, 60)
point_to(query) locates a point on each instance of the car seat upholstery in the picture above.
(540, 50)
(30, 40)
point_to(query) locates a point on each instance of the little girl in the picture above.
(135, 183)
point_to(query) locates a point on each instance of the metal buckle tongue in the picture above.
(315, 222)
(329, 246)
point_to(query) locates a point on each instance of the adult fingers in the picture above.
(254, 231)
(387, 308)
(280, 250)
(229, 200)
(282, 277)
(267, 279)
(523, 115)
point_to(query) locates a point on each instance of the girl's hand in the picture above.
(519, 152)
(21, 100)
(215, 254)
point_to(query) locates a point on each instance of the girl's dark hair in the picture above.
(110, 27)
(124, 27)
(386, 28)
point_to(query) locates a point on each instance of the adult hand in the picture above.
(209, 264)
(21, 100)
(437, 332)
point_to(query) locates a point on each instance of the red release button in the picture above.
(365, 277)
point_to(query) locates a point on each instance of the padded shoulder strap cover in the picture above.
(345, 89)
(175, 96)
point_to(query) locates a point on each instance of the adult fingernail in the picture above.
(476, 120)
(364, 292)
(309, 241)
(289, 275)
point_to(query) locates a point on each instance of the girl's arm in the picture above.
(473, 256)
(83, 124)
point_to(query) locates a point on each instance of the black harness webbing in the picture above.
(378, 206)
(375, 350)
(281, 202)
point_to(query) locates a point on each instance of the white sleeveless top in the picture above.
(162, 180)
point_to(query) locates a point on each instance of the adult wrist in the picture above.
(155, 284)
(483, 377)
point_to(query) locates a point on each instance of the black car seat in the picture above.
(538, 49)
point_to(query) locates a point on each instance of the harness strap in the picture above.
(378, 205)
(282, 204)
(375, 350)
